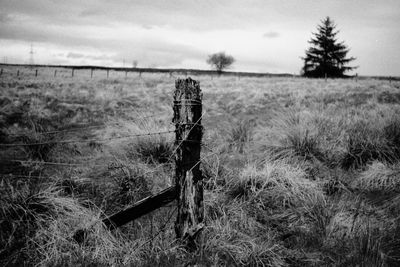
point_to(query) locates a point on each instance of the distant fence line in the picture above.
(70, 72)
(138, 71)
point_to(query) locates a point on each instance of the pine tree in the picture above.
(326, 56)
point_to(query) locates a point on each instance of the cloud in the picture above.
(5, 18)
(271, 34)
(75, 55)
(180, 33)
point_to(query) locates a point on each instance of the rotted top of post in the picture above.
(188, 87)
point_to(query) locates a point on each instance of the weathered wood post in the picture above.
(188, 177)
(36, 72)
(17, 73)
(55, 73)
(1, 72)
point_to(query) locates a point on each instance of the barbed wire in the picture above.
(193, 125)
(88, 126)
(85, 141)
(67, 164)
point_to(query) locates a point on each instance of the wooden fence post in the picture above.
(1, 72)
(188, 177)
(36, 72)
(55, 73)
(17, 73)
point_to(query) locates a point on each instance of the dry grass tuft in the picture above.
(379, 177)
(297, 137)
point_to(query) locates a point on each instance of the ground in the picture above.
(297, 172)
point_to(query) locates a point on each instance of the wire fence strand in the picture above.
(99, 140)
(93, 126)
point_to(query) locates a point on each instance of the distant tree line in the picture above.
(326, 57)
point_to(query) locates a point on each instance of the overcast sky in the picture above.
(263, 36)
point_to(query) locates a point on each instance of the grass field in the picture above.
(297, 172)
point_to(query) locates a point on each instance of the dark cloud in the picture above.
(271, 34)
(5, 18)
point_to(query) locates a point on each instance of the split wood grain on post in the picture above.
(188, 177)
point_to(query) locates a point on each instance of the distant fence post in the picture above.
(36, 72)
(140, 74)
(17, 73)
(72, 72)
(91, 73)
(1, 72)
(188, 177)
(55, 73)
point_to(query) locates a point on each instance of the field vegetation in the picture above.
(297, 171)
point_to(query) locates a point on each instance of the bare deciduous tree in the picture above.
(220, 61)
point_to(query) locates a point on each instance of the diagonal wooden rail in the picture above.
(136, 211)
(141, 208)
